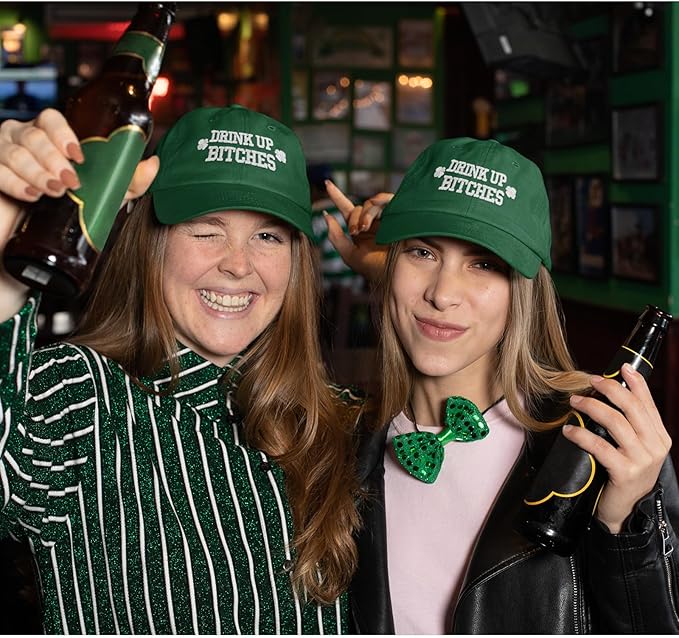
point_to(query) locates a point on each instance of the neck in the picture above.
(429, 396)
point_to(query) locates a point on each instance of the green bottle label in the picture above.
(144, 46)
(104, 177)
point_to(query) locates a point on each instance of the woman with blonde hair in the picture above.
(473, 352)
(182, 464)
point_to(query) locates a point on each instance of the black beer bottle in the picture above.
(559, 505)
(59, 241)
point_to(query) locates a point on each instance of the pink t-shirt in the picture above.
(431, 528)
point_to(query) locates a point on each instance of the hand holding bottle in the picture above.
(359, 251)
(35, 160)
(643, 443)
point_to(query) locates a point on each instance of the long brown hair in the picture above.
(291, 411)
(533, 360)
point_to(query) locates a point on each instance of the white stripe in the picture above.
(286, 540)
(338, 615)
(265, 533)
(218, 522)
(71, 489)
(243, 533)
(13, 346)
(130, 416)
(60, 386)
(57, 586)
(52, 362)
(168, 494)
(40, 418)
(319, 617)
(103, 382)
(29, 508)
(67, 437)
(123, 537)
(25, 525)
(70, 463)
(163, 546)
(197, 389)
(183, 373)
(88, 557)
(196, 520)
(98, 473)
(74, 573)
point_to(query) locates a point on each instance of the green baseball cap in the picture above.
(477, 190)
(231, 158)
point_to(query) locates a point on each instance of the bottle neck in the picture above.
(141, 48)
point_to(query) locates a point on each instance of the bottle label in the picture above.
(626, 355)
(104, 177)
(144, 46)
(568, 472)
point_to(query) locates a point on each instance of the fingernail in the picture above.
(575, 399)
(325, 213)
(69, 178)
(629, 368)
(596, 379)
(75, 152)
(567, 428)
(54, 185)
(31, 192)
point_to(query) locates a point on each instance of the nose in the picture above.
(445, 289)
(235, 262)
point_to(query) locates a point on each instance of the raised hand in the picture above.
(643, 443)
(35, 160)
(358, 249)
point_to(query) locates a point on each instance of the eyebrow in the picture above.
(471, 249)
(216, 220)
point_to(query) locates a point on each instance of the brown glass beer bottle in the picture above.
(58, 243)
(558, 507)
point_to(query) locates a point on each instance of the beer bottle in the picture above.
(59, 241)
(559, 505)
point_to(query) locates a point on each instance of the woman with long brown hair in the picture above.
(182, 464)
(474, 357)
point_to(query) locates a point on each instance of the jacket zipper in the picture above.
(667, 550)
(576, 597)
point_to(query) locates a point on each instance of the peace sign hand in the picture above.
(358, 249)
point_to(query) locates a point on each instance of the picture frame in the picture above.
(576, 112)
(635, 143)
(372, 105)
(352, 46)
(414, 99)
(416, 43)
(636, 37)
(408, 143)
(560, 190)
(331, 94)
(593, 225)
(368, 151)
(635, 245)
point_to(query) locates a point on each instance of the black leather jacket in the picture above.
(624, 583)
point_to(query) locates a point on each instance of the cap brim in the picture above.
(397, 226)
(181, 203)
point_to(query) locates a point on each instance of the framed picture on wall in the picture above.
(416, 43)
(353, 46)
(414, 99)
(372, 105)
(368, 151)
(635, 243)
(562, 215)
(593, 230)
(635, 143)
(636, 33)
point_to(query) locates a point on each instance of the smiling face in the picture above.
(224, 279)
(449, 304)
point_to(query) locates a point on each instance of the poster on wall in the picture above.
(562, 216)
(592, 217)
(635, 153)
(353, 46)
(637, 36)
(635, 246)
(416, 43)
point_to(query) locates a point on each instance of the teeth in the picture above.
(225, 303)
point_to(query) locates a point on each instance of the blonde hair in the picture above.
(533, 360)
(308, 432)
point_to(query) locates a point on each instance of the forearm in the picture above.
(633, 575)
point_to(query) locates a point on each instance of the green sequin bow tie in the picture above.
(421, 453)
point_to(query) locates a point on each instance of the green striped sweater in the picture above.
(146, 514)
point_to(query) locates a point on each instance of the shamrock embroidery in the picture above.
(281, 156)
(440, 171)
(202, 144)
(511, 192)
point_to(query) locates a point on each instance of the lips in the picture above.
(439, 330)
